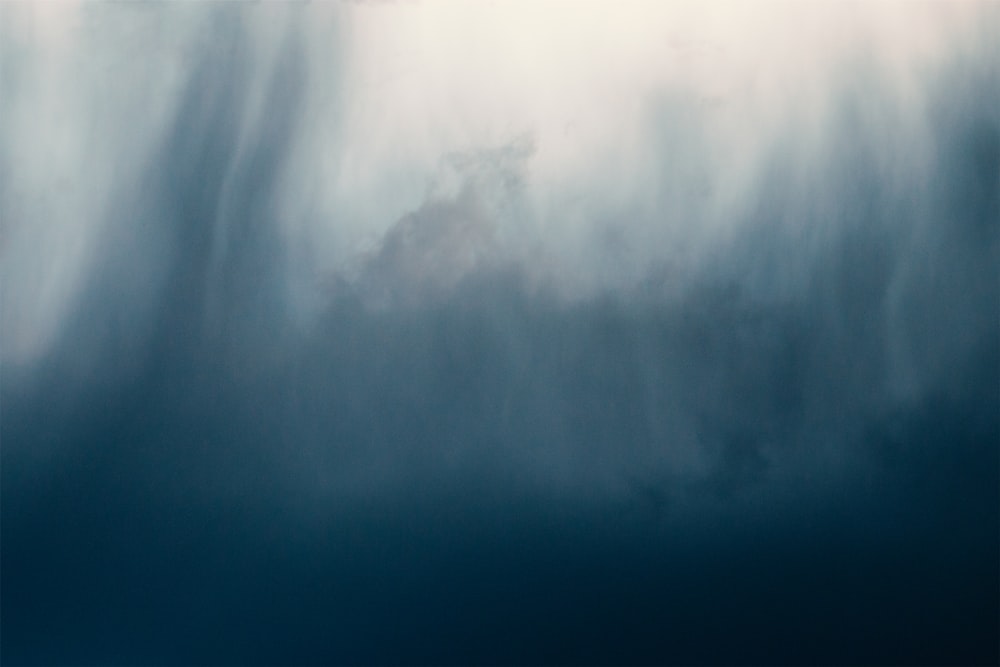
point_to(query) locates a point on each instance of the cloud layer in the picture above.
(444, 334)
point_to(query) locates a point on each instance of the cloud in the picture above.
(676, 360)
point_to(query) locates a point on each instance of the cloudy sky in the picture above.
(500, 332)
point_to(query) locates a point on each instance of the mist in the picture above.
(531, 333)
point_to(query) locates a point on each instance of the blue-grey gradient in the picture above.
(478, 412)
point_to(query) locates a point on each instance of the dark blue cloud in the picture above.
(787, 455)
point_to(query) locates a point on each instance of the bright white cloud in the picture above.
(651, 122)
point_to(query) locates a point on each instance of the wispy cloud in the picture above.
(300, 301)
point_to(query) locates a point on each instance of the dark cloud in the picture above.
(785, 453)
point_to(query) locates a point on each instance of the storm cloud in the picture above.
(426, 333)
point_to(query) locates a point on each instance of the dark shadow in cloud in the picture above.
(479, 470)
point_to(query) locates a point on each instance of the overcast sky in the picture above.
(500, 332)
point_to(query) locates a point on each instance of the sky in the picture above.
(500, 332)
